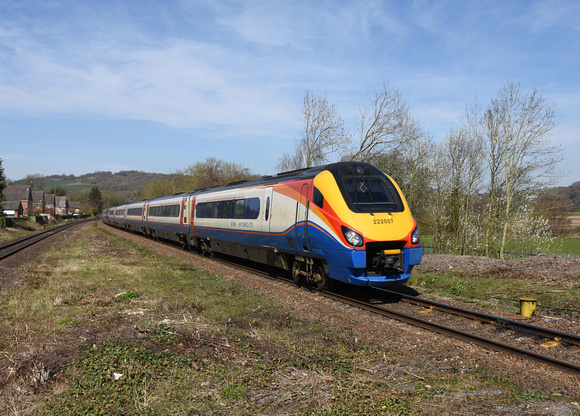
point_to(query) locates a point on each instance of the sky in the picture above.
(157, 86)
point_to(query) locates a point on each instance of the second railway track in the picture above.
(15, 246)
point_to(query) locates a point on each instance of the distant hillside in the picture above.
(124, 181)
(568, 194)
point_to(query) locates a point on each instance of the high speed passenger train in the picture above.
(345, 221)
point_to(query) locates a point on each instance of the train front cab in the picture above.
(365, 230)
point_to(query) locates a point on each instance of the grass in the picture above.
(499, 293)
(70, 186)
(569, 245)
(19, 229)
(103, 326)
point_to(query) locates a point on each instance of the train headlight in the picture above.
(353, 238)
(415, 236)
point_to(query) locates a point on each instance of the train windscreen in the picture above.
(365, 193)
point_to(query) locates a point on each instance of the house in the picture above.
(74, 208)
(61, 205)
(20, 194)
(12, 209)
(49, 204)
(38, 202)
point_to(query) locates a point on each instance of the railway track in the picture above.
(14, 246)
(555, 348)
(552, 347)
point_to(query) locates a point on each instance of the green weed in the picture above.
(500, 293)
(182, 341)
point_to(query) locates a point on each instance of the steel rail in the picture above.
(14, 246)
(466, 336)
(445, 330)
(431, 326)
(485, 317)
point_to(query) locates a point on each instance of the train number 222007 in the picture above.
(382, 221)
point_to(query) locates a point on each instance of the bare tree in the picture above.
(439, 166)
(385, 126)
(464, 151)
(291, 161)
(523, 122)
(382, 129)
(473, 178)
(411, 171)
(212, 172)
(323, 135)
(35, 181)
(495, 149)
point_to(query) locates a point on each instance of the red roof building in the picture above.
(20, 194)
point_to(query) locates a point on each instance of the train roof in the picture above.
(305, 173)
(337, 168)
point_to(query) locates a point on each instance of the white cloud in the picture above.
(270, 24)
(180, 83)
(239, 69)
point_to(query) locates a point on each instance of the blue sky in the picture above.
(156, 86)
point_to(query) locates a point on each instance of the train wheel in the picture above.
(296, 272)
(320, 277)
(183, 243)
(206, 249)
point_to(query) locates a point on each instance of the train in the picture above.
(341, 222)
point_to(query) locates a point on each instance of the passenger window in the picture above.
(239, 209)
(228, 209)
(252, 209)
(267, 209)
(200, 210)
(217, 209)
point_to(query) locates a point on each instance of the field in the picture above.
(570, 245)
(70, 186)
(103, 325)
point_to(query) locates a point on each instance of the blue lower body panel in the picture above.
(349, 266)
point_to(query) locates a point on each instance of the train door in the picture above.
(183, 218)
(302, 218)
(191, 204)
(267, 215)
(143, 216)
(146, 218)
